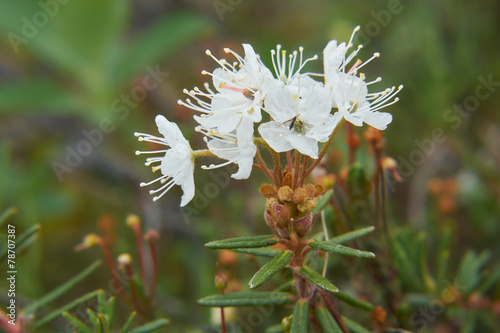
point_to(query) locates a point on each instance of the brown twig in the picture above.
(330, 305)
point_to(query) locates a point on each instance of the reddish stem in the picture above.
(133, 286)
(349, 140)
(152, 250)
(112, 270)
(330, 305)
(140, 249)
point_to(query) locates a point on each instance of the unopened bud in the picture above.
(220, 281)
(269, 219)
(285, 193)
(227, 257)
(390, 165)
(286, 323)
(152, 236)
(353, 141)
(89, 241)
(303, 225)
(284, 233)
(306, 206)
(299, 195)
(133, 221)
(281, 214)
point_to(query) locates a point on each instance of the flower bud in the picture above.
(284, 233)
(133, 220)
(269, 220)
(303, 225)
(299, 195)
(306, 206)
(281, 215)
(285, 194)
(286, 323)
(353, 141)
(220, 281)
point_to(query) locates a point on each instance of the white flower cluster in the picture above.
(302, 111)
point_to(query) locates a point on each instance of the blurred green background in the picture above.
(67, 66)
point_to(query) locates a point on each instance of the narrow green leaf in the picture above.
(349, 236)
(128, 323)
(424, 270)
(262, 252)
(93, 319)
(406, 268)
(101, 302)
(340, 249)
(56, 313)
(110, 312)
(443, 255)
(469, 325)
(275, 329)
(103, 322)
(468, 275)
(357, 182)
(322, 202)
(56, 293)
(7, 214)
(79, 326)
(151, 326)
(300, 319)
(318, 280)
(243, 242)
(354, 301)
(22, 240)
(326, 320)
(247, 299)
(269, 269)
(354, 327)
(489, 282)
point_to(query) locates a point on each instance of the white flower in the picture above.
(177, 163)
(301, 116)
(234, 147)
(240, 92)
(350, 91)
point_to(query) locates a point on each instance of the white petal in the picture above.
(304, 144)
(274, 134)
(170, 131)
(187, 185)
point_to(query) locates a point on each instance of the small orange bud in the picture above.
(353, 141)
(152, 236)
(227, 258)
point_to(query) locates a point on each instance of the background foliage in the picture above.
(71, 73)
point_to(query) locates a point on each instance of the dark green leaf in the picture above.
(407, 269)
(269, 269)
(349, 236)
(322, 202)
(79, 326)
(110, 312)
(354, 327)
(340, 249)
(246, 299)
(443, 254)
(354, 301)
(56, 293)
(326, 320)
(424, 271)
(263, 251)
(300, 319)
(242, 242)
(470, 266)
(25, 238)
(7, 213)
(151, 326)
(128, 323)
(490, 281)
(318, 280)
(278, 328)
(56, 313)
